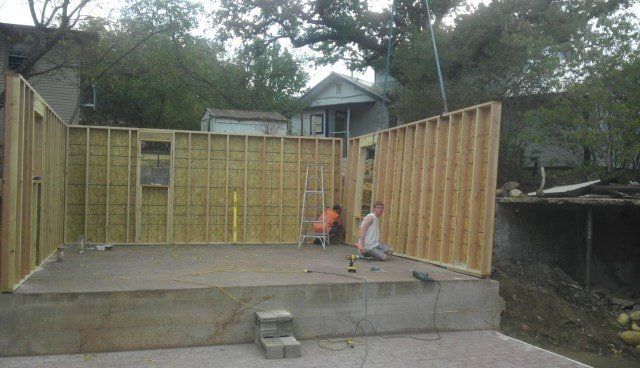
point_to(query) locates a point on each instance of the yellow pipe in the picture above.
(235, 216)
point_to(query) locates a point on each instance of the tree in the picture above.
(596, 119)
(168, 79)
(506, 48)
(53, 22)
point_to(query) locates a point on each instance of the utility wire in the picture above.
(435, 53)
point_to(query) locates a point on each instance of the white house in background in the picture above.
(244, 122)
(341, 106)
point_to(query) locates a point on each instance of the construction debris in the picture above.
(572, 190)
(507, 189)
(515, 193)
(595, 189)
(510, 185)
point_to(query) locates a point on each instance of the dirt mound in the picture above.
(546, 307)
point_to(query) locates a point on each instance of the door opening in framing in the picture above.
(155, 188)
(36, 208)
(366, 194)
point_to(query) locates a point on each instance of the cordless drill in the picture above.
(352, 262)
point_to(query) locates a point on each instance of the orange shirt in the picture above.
(329, 217)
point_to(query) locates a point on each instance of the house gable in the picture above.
(338, 89)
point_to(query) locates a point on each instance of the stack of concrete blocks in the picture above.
(274, 335)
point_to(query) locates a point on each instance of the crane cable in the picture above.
(388, 62)
(435, 53)
(386, 67)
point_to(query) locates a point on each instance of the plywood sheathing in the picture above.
(207, 168)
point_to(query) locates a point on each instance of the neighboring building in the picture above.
(339, 104)
(244, 122)
(60, 87)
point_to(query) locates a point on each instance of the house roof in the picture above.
(247, 115)
(367, 87)
(18, 31)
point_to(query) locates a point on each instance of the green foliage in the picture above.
(596, 119)
(150, 71)
(567, 52)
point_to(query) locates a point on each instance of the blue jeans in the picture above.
(380, 252)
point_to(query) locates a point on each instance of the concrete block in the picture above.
(285, 322)
(282, 315)
(272, 347)
(266, 325)
(291, 347)
(266, 316)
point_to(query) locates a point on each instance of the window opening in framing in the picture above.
(155, 163)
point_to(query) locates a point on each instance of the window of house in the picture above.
(155, 163)
(338, 88)
(341, 130)
(17, 55)
(317, 124)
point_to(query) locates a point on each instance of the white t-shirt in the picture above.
(372, 234)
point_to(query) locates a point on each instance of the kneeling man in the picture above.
(369, 243)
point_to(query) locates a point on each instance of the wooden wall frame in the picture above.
(205, 169)
(437, 179)
(90, 184)
(33, 182)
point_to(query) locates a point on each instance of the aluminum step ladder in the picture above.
(313, 189)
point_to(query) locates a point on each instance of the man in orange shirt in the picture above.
(332, 225)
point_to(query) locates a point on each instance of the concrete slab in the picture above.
(127, 268)
(130, 298)
(470, 349)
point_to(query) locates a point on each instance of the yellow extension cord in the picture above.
(233, 268)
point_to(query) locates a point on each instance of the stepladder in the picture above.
(313, 206)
